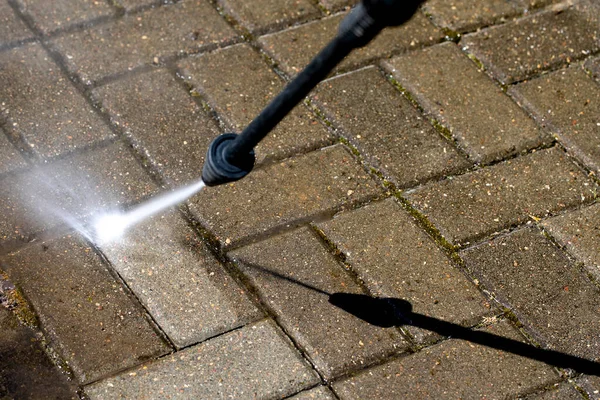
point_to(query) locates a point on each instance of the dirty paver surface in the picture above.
(424, 225)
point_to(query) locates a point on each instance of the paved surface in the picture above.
(437, 192)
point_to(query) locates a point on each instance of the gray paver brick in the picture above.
(10, 158)
(333, 339)
(294, 48)
(517, 50)
(591, 385)
(333, 5)
(397, 259)
(488, 200)
(319, 393)
(179, 282)
(223, 77)
(263, 15)
(559, 391)
(283, 194)
(135, 40)
(579, 232)
(551, 296)
(486, 122)
(253, 362)
(452, 369)
(130, 5)
(465, 15)
(40, 104)
(163, 120)
(567, 103)
(12, 29)
(387, 129)
(593, 65)
(57, 14)
(90, 320)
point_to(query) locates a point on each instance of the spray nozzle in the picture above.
(219, 167)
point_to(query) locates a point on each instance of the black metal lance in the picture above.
(230, 156)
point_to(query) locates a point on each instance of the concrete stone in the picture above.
(294, 275)
(567, 103)
(452, 369)
(294, 48)
(25, 370)
(558, 391)
(223, 77)
(334, 5)
(579, 232)
(517, 50)
(318, 393)
(131, 5)
(10, 158)
(265, 15)
(464, 15)
(284, 194)
(387, 129)
(149, 37)
(179, 282)
(163, 121)
(485, 122)
(12, 29)
(42, 106)
(88, 317)
(593, 65)
(591, 386)
(60, 14)
(397, 259)
(477, 204)
(555, 301)
(256, 361)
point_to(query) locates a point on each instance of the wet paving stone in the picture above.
(25, 370)
(141, 39)
(451, 369)
(264, 15)
(567, 103)
(486, 122)
(556, 302)
(10, 158)
(319, 393)
(179, 281)
(465, 15)
(163, 121)
(256, 361)
(284, 194)
(559, 391)
(397, 259)
(49, 16)
(387, 130)
(294, 48)
(222, 76)
(485, 201)
(41, 105)
(294, 275)
(12, 28)
(86, 314)
(517, 50)
(579, 232)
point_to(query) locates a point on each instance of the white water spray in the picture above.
(111, 226)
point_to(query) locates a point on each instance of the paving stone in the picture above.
(163, 121)
(591, 385)
(59, 14)
(558, 391)
(84, 311)
(130, 5)
(284, 270)
(593, 65)
(223, 77)
(25, 370)
(284, 194)
(397, 259)
(555, 301)
(486, 122)
(334, 5)
(294, 48)
(517, 50)
(318, 393)
(568, 104)
(40, 104)
(149, 37)
(533, 4)
(12, 29)
(179, 282)
(452, 369)
(387, 129)
(579, 232)
(464, 15)
(488, 200)
(254, 362)
(270, 14)
(70, 189)
(10, 158)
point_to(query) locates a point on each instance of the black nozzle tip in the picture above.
(217, 170)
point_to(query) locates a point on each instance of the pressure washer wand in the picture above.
(230, 157)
